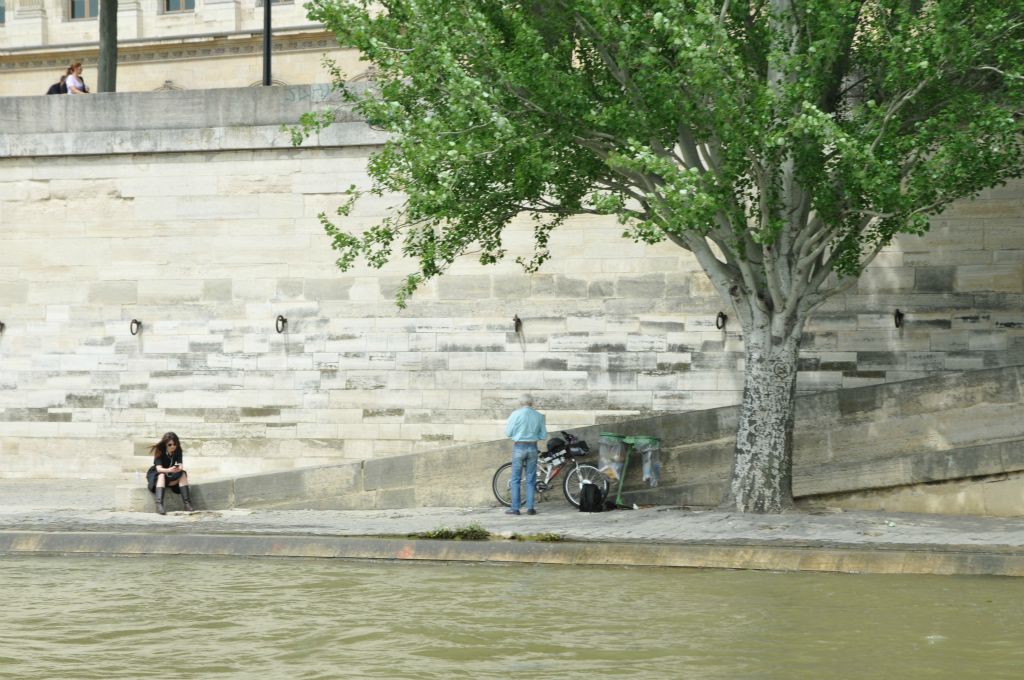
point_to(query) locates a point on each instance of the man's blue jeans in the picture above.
(524, 454)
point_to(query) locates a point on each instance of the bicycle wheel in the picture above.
(501, 485)
(573, 483)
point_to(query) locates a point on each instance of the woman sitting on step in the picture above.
(167, 471)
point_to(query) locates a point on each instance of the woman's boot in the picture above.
(160, 501)
(186, 499)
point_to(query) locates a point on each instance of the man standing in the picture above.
(525, 427)
(60, 87)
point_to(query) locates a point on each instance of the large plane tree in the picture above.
(782, 142)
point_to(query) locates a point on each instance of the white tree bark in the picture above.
(762, 466)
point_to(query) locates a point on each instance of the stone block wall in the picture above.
(949, 444)
(961, 288)
(205, 229)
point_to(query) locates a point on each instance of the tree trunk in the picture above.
(107, 80)
(762, 474)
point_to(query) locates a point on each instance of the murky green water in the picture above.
(236, 618)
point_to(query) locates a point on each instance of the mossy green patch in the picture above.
(539, 538)
(471, 532)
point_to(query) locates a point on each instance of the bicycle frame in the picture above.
(548, 471)
(562, 464)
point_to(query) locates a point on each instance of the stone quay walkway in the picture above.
(62, 517)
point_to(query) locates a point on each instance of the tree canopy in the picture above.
(816, 129)
(783, 142)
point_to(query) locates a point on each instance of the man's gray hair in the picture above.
(526, 400)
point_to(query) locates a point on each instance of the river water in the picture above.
(91, 617)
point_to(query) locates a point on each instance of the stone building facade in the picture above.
(165, 44)
(207, 232)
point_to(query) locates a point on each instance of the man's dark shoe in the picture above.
(531, 511)
(511, 512)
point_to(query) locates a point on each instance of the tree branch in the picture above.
(1004, 74)
(619, 73)
(723, 276)
(893, 110)
(835, 91)
(645, 180)
(688, 146)
(821, 295)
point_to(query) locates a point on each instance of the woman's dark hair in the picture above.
(161, 446)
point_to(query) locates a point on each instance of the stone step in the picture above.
(919, 432)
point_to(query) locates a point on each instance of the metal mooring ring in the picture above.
(720, 320)
(281, 323)
(135, 326)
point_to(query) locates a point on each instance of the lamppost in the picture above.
(266, 42)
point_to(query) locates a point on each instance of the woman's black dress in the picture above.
(164, 461)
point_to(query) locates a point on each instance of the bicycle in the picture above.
(560, 455)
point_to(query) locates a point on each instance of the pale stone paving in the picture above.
(55, 506)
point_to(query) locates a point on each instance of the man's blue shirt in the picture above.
(526, 425)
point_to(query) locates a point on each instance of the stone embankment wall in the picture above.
(192, 213)
(946, 444)
(951, 443)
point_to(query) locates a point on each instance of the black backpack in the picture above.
(591, 498)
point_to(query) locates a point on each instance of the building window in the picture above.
(2, 11)
(171, 6)
(85, 9)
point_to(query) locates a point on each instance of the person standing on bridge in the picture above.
(75, 83)
(61, 86)
(167, 470)
(525, 427)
